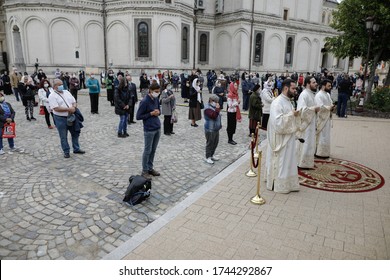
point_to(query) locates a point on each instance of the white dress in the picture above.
(324, 116)
(306, 129)
(281, 164)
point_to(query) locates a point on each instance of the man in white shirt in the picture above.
(63, 104)
(324, 116)
(307, 127)
(281, 164)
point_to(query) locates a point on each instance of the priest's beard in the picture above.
(290, 94)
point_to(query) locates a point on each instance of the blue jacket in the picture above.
(146, 106)
(93, 85)
(212, 118)
(247, 86)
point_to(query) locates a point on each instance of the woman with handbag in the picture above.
(26, 89)
(7, 116)
(168, 104)
(43, 94)
(195, 103)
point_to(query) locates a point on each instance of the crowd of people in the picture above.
(288, 107)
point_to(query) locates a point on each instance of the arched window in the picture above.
(258, 47)
(330, 18)
(323, 17)
(184, 43)
(289, 51)
(203, 48)
(143, 40)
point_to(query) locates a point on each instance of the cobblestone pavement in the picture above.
(56, 208)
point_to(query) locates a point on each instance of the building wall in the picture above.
(53, 31)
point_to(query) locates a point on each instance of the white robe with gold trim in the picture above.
(281, 164)
(306, 129)
(324, 116)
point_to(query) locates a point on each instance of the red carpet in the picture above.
(337, 175)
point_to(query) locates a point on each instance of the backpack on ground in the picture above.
(138, 190)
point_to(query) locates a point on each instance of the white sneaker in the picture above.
(2, 152)
(209, 161)
(214, 158)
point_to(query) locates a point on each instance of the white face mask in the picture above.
(155, 94)
(2, 98)
(46, 85)
(212, 104)
(92, 76)
(169, 87)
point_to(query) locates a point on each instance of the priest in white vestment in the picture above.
(324, 116)
(307, 127)
(281, 164)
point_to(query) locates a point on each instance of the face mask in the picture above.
(2, 99)
(155, 94)
(212, 104)
(46, 85)
(60, 88)
(169, 87)
(92, 76)
(218, 84)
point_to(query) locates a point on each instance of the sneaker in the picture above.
(28, 119)
(2, 152)
(232, 142)
(154, 172)
(79, 152)
(120, 135)
(209, 160)
(214, 159)
(16, 149)
(33, 119)
(126, 134)
(66, 155)
(146, 175)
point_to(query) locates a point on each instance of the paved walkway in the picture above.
(219, 222)
(56, 208)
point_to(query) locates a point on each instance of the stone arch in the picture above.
(223, 49)
(64, 40)
(16, 44)
(240, 49)
(303, 54)
(118, 43)
(94, 43)
(315, 56)
(274, 52)
(37, 40)
(168, 45)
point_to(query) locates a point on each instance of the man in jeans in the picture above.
(212, 126)
(63, 103)
(149, 112)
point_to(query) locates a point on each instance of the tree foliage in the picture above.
(350, 19)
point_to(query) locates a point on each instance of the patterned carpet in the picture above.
(337, 175)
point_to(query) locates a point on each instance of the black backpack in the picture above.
(138, 190)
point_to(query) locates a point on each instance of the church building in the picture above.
(256, 35)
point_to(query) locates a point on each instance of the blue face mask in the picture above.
(60, 88)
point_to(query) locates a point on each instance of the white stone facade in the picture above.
(149, 34)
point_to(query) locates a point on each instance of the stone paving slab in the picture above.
(309, 224)
(56, 208)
